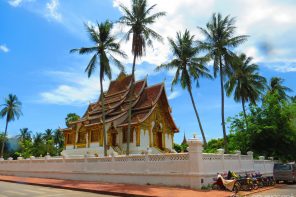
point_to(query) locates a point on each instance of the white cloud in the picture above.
(174, 95)
(76, 89)
(175, 20)
(15, 3)
(52, 10)
(4, 48)
(265, 21)
(288, 66)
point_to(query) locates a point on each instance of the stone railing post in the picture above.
(262, 158)
(195, 163)
(238, 153)
(221, 152)
(250, 154)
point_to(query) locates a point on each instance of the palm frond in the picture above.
(91, 66)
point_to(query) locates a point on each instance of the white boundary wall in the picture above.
(192, 169)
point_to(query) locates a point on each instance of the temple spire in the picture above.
(184, 140)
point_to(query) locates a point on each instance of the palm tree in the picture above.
(58, 139)
(25, 134)
(276, 85)
(219, 40)
(138, 19)
(188, 67)
(245, 81)
(38, 144)
(104, 49)
(48, 138)
(11, 110)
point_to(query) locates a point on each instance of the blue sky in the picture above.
(36, 36)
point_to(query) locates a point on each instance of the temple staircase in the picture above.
(156, 150)
(118, 150)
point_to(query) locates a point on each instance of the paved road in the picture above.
(285, 191)
(21, 190)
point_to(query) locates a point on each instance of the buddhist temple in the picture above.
(152, 125)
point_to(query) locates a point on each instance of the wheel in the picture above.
(214, 187)
(255, 186)
(235, 189)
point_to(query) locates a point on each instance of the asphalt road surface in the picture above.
(22, 190)
(288, 190)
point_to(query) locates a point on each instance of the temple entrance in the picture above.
(159, 140)
(157, 136)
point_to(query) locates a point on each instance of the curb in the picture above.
(78, 189)
(262, 190)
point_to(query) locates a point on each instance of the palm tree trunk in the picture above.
(222, 108)
(4, 139)
(198, 119)
(103, 116)
(245, 114)
(130, 108)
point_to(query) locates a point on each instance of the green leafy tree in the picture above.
(272, 129)
(293, 99)
(11, 110)
(26, 148)
(103, 51)
(219, 41)
(179, 148)
(138, 19)
(245, 82)
(71, 117)
(276, 84)
(189, 67)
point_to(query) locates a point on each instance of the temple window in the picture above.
(94, 136)
(124, 137)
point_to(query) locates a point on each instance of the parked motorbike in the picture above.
(221, 183)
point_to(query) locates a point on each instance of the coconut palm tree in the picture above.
(219, 42)
(245, 81)
(12, 109)
(138, 19)
(188, 67)
(276, 84)
(25, 134)
(48, 139)
(38, 144)
(58, 139)
(104, 49)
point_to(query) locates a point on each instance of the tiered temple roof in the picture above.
(117, 99)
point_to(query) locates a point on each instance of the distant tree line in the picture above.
(27, 144)
(39, 144)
